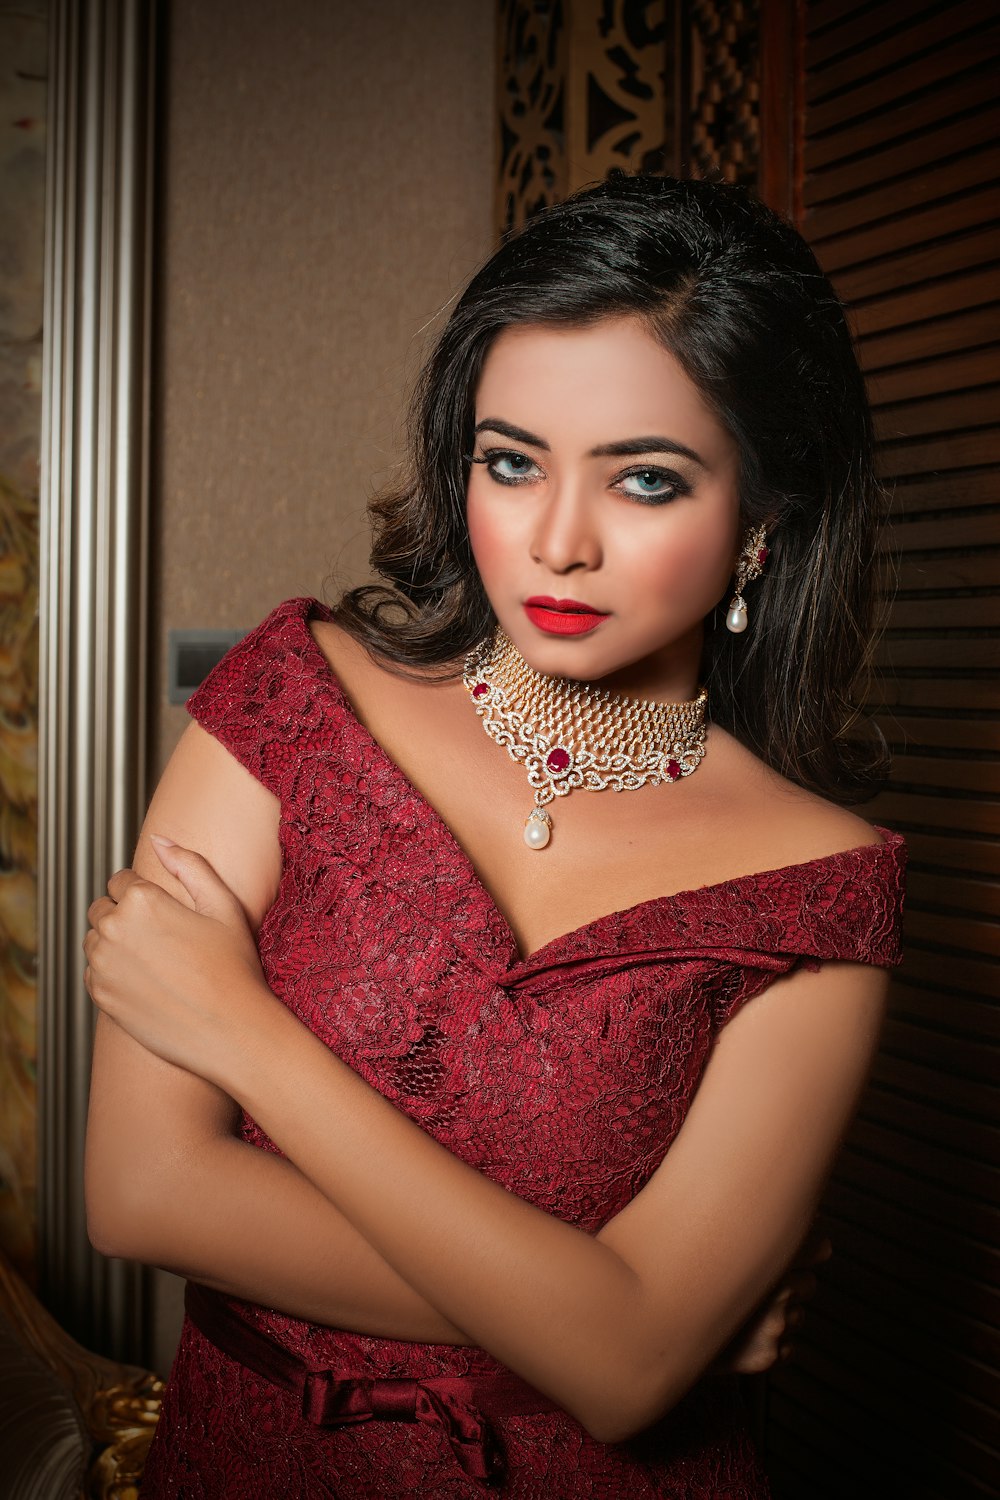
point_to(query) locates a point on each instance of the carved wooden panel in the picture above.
(617, 88)
(583, 87)
(532, 107)
(646, 85)
(722, 70)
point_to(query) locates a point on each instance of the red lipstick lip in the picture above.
(562, 606)
(565, 621)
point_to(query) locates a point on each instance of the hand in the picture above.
(185, 982)
(765, 1338)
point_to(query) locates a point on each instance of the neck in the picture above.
(667, 678)
(569, 733)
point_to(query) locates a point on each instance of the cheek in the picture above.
(487, 536)
(692, 567)
(480, 538)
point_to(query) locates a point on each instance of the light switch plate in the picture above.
(191, 655)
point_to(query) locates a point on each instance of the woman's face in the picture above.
(602, 478)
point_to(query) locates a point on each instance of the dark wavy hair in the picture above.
(737, 297)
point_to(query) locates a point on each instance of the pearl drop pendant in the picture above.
(736, 620)
(537, 829)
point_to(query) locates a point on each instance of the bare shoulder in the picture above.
(348, 657)
(378, 690)
(336, 643)
(817, 822)
(207, 801)
(788, 821)
(357, 671)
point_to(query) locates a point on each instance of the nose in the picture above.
(565, 538)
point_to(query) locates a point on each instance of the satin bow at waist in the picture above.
(460, 1405)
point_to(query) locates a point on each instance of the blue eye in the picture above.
(520, 465)
(654, 485)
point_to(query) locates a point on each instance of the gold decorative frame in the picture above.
(119, 1404)
(92, 608)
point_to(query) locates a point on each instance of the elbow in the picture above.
(106, 1242)
(630, 1377)
(604, 1428)
(627, 1405)
(122, 1213)
(112, 1226)
(616, 1423)
(134, 1192)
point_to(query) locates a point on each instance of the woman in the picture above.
(481, 1171)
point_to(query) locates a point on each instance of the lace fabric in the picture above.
(564, 1075)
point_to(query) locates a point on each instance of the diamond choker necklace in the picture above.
(571, 735)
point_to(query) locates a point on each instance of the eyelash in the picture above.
(677, 484)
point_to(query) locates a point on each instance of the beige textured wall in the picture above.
(326, 191)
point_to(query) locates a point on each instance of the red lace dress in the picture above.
(564, 1076)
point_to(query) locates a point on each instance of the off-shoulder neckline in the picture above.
(302, 610)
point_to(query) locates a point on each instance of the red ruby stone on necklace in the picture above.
(480, 689)
(557, 760)
(673, 770)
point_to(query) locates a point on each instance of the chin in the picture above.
(579, 656)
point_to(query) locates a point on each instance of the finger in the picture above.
(120, 882)
(775, 1325)
(799, 1289)
(790, 1318)
(88, 980)
(99, 908)
(208, 891)
(818, 1245)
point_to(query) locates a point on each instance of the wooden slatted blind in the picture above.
(896, 1386)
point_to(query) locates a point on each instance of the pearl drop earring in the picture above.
(750, 566)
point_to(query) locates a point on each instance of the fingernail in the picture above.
(157, 838)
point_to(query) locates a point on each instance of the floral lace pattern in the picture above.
(564, 1076)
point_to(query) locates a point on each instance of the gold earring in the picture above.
(750, 566)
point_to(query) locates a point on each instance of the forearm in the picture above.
(615, 1327)
(169, 1182)
(549, 1300)
(248, 1223)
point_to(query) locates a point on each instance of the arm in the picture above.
(618, 1327)
(168, 1181)
(615, 1327)
(224, 1213)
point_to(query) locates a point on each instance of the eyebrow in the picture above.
(625, 447)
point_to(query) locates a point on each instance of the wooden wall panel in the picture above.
(880, 136)
(896, 1385)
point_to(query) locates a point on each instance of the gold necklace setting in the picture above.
(573, 736)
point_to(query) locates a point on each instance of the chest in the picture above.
(608, 850)
(566, 1087)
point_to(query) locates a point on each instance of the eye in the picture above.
(653, 486)
(516, 466)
